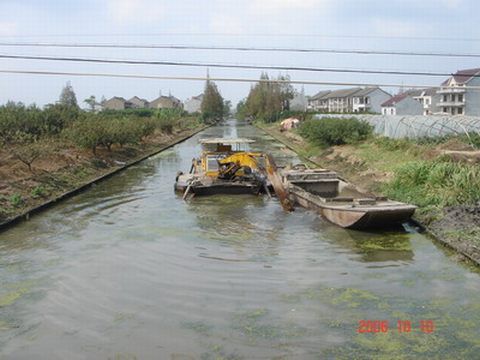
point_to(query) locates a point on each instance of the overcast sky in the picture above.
(367, 24)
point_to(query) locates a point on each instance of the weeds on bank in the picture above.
(429, 184)
(436, 183)
(38, 191)
(16, 200)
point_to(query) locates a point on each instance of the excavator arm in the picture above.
(231, 165)
(277, 183)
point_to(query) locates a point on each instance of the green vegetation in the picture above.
(166, 119)
(16, 200)
(330, 131)
(24, 124)
(471, 138)
(213, 106)
(438, 183)
(38, 191)
(419, 174)
(94, 130)
(145, 113)
(68, 97)
(443, 184)
(267, 99)
(255, 326)
(52, 136)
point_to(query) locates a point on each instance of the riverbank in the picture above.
(63, 170)
(373, 166)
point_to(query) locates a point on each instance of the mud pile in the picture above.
(460, 228)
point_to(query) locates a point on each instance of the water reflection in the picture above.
(373, 246)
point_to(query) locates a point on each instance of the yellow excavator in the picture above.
(223, 169)
(245, 163)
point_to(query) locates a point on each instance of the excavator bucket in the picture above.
(277, 183)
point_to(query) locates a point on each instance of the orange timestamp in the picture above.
(403, 326)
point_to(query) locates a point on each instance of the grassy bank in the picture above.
(38, 165)
(440, 176)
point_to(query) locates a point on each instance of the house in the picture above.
(138, 103)
(318, 102)
(427, 97)
(166, 102)
(116, 103)
(341, 101)
(194, 104)
(402, 104)
(369, 99)
(455, 98)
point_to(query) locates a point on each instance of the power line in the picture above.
(229, 66)
(239, 48)
(217, 79)
(267, 35)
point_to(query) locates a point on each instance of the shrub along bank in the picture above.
(424, 172)
(330, 131)
(47, 152)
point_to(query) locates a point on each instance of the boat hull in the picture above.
(382, 215)
(227, 188)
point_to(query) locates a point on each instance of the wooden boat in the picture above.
(342, 204)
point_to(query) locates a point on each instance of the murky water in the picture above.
(127, 270)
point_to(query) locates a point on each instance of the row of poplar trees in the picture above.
(267, 99)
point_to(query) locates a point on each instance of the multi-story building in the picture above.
(369, 100)
(318, 102)
(428, 98)
(455, 96)
(357, 99)
(402, 104)
(341, 101)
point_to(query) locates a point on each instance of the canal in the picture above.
(127, 270)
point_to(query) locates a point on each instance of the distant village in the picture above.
(191, 105)
(455, 96)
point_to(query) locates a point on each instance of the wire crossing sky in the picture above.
(321, 44)
(233, 48)
(218, 79)
(222, 65)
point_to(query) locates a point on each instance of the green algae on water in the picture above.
(253, 324)
(391, 243)
(13, 296)
(199, 327)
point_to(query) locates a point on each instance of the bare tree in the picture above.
(27, 154)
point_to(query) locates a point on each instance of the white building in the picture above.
(318, 102)
(427, 97)
(369, 100)
(455, 98)
(402, 104)
(194, 104)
